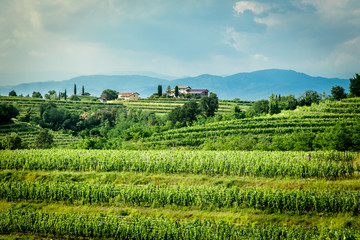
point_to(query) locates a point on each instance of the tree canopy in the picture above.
(337, 92)
(109, 94)
(354, 86)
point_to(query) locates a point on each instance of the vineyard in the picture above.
(163, 106)
(28, 132)
(179, 194)
(316, 118)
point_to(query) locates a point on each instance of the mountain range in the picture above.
(246, 86)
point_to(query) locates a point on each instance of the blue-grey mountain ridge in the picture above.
(246, 86)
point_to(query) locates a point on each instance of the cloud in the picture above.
(236, 40)
(255, 7)
(260, 57)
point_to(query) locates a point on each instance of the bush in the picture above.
(11, 141)
(7, 111)
(44, 139)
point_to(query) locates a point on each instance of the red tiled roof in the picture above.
(197, 90)
(126, 94)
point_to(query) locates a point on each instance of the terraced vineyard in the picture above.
(159, 106)
(28, 133)
(179, 194)
(316, 118)
(163, 106)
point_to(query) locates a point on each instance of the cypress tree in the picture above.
(160, 90)
(176, 91)
(74, 89)
(82, 91)
(65, 94)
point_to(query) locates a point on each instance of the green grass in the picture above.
(131, 178)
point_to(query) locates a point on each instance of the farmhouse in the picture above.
(199, 92)
(128, 96)
(183, 89)
(187, 90)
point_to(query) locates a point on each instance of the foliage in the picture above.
(100, 226)
(36, 95)
(12, 93)
(44, 139)
(209, 105)
(185, 114)
(308, 98)
(75, 89)
(338, 93)
(51, 94)
(7, 111)
(354, 86)
(235, 163)
(57, 118)
(11, 141)
(176, 91)
(159, 90)
(109, 94)
(259, 107)
(74, 98)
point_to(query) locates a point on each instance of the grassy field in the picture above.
(128, 194)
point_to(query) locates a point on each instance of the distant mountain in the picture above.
(246, 86)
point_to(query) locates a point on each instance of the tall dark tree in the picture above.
(209, 105)
(65, 95)
(354, 86)
(12, 93)
(160, 90)
(176, 91)
(74, 89)
(82, 91)
(338, 92)
(274, 104)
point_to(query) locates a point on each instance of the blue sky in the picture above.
(55, 40)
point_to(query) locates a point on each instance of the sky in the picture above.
(42, 40)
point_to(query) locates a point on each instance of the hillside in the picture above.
(246, 86)
(314, 119)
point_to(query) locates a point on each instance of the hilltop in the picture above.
(246, 86)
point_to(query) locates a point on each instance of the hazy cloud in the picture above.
(255, 7)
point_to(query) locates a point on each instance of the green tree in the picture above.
(160, 90)
(74, 98)
(176, 91)
(185, 114)
(65, 96)
(337, 92)
(11, 141)
(274, 104)
(7, 111)
(50, 94)
(209, 105)
(36, 95)
(309, 97)
(259, 107)
(44, 139)
(74, 89)
(82, 91)
(12, 93)
(109, 94)
(354, 86)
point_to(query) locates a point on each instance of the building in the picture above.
(183, 89)
(128, 96)
(198, 92)
(103, 100)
